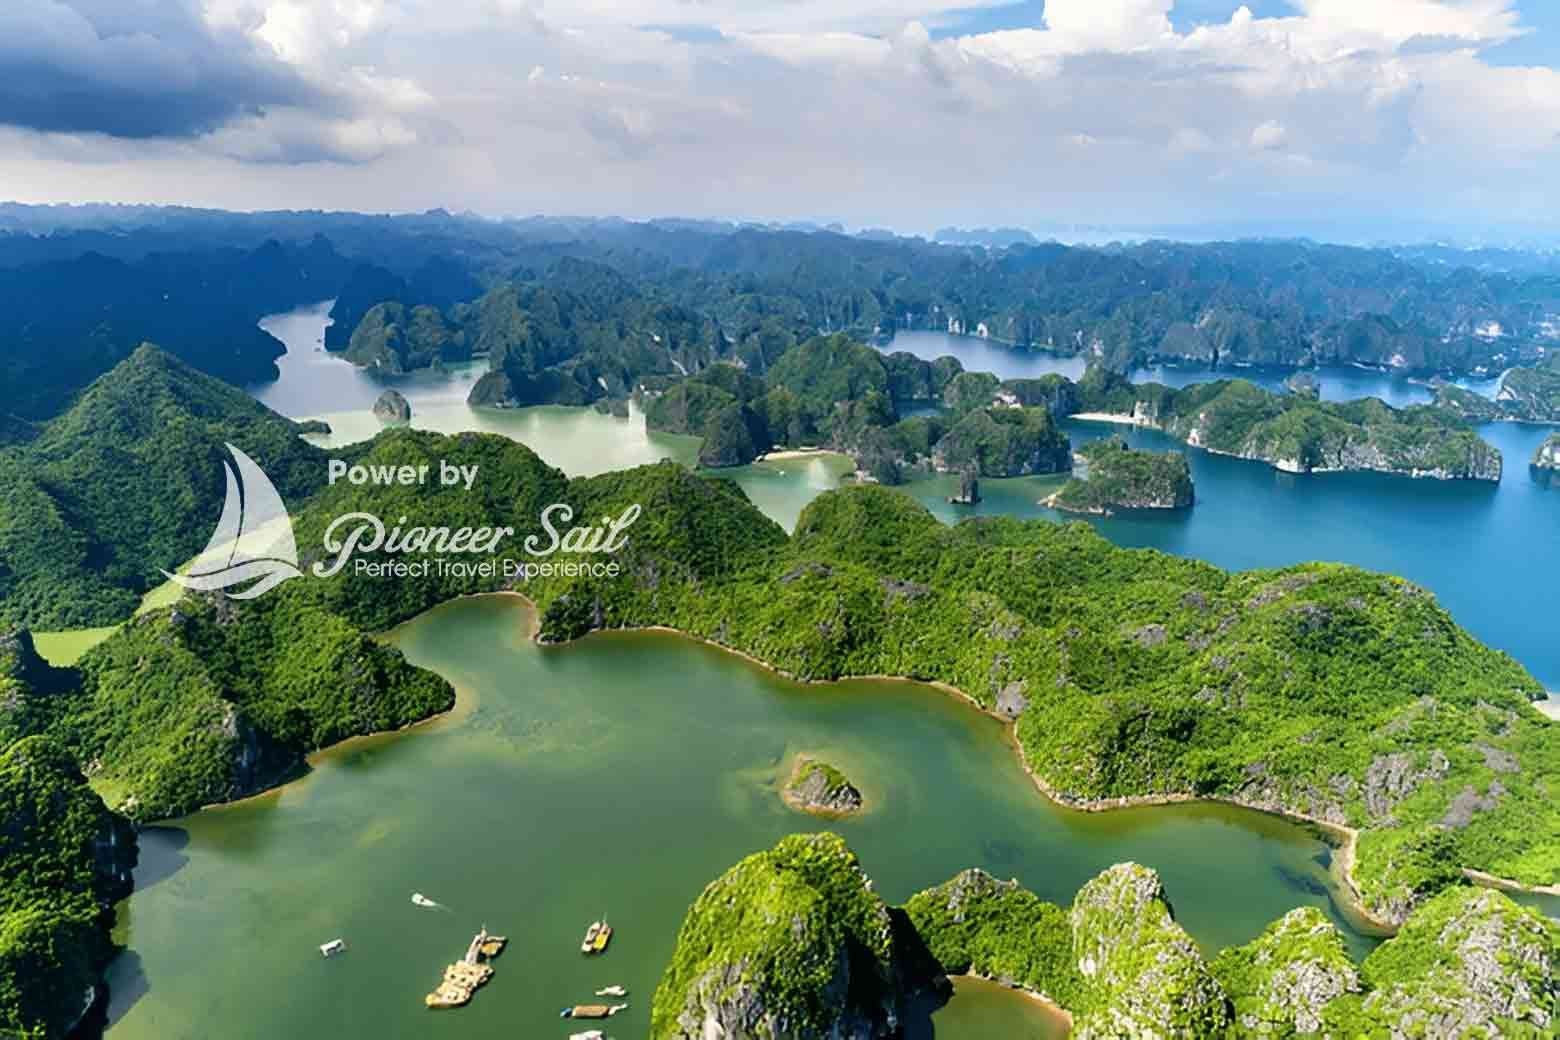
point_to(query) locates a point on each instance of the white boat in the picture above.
(422, 900)
(612, 991)
(332, 948)
(589, 1034)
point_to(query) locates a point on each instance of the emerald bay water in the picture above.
(615, 776)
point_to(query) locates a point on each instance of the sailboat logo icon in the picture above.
(253, 543)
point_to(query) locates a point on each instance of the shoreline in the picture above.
(1114, 418)
(1346, 837)
(796, 453)
(1051, 1007)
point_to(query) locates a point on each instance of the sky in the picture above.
(910, 114)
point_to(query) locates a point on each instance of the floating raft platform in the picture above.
(467, 975)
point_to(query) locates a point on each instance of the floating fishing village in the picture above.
(464, 977)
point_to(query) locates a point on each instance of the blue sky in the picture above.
(911, 114)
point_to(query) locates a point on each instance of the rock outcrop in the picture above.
(1117, 477)
(794, 943)
(1281, 982)
(1142, 975)
(1470, 962)
(818, 788)
(1548, 454)
(392, 407)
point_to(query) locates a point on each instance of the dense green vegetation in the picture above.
(395, 338)
(66, 860)
(1004, 442)
(974, 924)
(126, 483)
(1299, 433)
(1121, 478)
(1532, 394)
(789, 942)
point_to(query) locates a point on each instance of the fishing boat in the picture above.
(422, 900)
(591, 933)
(612, 991)
(332, 948)
(592, 1010)
(602, 938)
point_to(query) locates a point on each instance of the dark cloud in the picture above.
(133, 69)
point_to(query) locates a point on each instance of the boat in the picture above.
(612, 991)
(332, 948)
(602, 938)
(589, 1034)
(591, 934)
(592, 1010)
(422, 900)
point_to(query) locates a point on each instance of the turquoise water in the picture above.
(1338, 382)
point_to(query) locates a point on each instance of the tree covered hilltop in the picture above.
(794, 942)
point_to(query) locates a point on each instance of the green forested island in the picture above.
(1122, 478)
(1299, 434)
(795, 939)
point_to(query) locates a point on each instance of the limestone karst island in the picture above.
(768, 521)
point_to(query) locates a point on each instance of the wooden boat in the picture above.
(592, 1010)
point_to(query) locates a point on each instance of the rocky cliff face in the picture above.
(793, 944)
(1548, 454)
(1142, 974)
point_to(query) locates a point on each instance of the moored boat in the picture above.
(591, 933)
(602, 938)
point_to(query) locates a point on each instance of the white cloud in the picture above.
(852, 109)
(1269, 136)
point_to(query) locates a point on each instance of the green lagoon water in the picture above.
(615, 776)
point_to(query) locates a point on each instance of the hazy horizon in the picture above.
(1365, 116)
